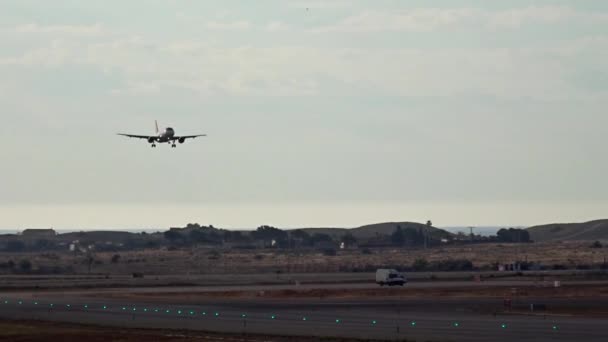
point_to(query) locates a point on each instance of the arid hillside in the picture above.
(591, 231)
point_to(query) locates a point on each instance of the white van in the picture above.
(390, 277)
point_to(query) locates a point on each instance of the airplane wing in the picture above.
(184, 137)
(136, 136)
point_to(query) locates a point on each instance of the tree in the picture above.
(25, 265)
(193, 226)
(320, 237)
(115, 258)
(513, 235)
(398, 237)
(15, 246)
(597, 244)
(197, 236)
(300, 235)
(299, 238)
(349, 240)
(267, 234)
(172, 235)
(43, 244)
(420, 264)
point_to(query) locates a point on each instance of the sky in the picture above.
(318, 113)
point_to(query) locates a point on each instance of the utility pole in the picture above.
(471, 233)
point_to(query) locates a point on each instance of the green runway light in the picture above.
(179, 312)
(243, 315)
(374, 322)
(456, 324)
(555, 327)
(204, 313)
(304, 318)
(192, 312)
(413, 323)
(51, 305)
(35, 303)
(273, 317)
(68, 305)
(20, 302)
(168, 311)
(86, 306)
(145, 310)
(6, 302)
(337, 321)
(504, 326)
(155, 310)
(217, 314)
(105, 307)
(134, 309)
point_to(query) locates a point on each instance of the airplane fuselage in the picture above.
(166, 136)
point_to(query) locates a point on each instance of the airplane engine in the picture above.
(151, 140)
(181, 140)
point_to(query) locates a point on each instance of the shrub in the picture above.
(25, 265)
(420, 265)
(214, 255)
(15, 246)
(329, 252)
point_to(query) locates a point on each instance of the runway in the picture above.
(420, 319)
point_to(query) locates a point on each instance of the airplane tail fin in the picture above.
(156, 124)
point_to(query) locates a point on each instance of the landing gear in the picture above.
(153, 145)
(172, 144)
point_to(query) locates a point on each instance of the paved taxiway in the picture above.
(346, 286)
(417, 319)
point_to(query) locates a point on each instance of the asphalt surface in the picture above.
(346, 286)
(420, 319)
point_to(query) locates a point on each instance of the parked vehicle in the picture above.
(390, 277)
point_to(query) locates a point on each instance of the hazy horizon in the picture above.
(332, 113)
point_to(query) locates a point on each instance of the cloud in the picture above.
(431, 19)
(228, 26)
(516, 18)
(276, 26)
(71, 30)
(414, 20)
(319, 5)
(151, 65)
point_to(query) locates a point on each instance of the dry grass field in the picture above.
(209, 261)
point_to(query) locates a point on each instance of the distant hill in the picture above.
(593, 230)
(372, 230)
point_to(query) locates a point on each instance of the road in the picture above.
(432, 319)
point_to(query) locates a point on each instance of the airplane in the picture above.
(166, 136)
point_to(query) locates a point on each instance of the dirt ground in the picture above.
(34, 331)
